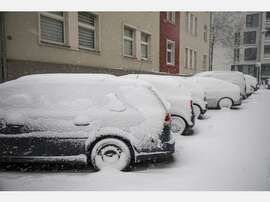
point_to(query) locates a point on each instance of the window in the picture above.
(170, 51)
(267, 51)
(204, 61)
(236, 54)
(252, 20)
(87, 30)
(190, 59)
(191, 28)
(171, 17)
(250, 37)
(145, 39)
(191, 24)
(250, 53)
(52, 27)
(195, 26)
(187, 21)
(195, 60)
(205, 33)
(129, 45)
(267, 35)
(237, 39)
(267, 17)
(186, 58)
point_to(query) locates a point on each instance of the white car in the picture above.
(219, 94)
(82, 118)
(183, 118)
(233, 77)
(251, 83)
(197, 94)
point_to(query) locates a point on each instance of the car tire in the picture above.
(225, 103)
(110, 153)
(197, 111)
(178, 125)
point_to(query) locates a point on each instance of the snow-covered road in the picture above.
(230, 150)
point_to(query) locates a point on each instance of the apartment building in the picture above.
(194, 42)
(252, 45)
(103, 42)
(111, 42)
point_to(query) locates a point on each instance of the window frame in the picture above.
(266, 56)
(186, 58)
(204, 61)
(146, 44)
(252, 18)
(55, 17)
(245, 58)
(190, 59)
(194, 59)
(172, 52)
(205, 33)
(89, 27)
(133, 39)
(173, 14)
(246, 38)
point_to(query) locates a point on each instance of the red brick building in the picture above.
(169, 42)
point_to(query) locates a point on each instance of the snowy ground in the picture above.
(230, 150)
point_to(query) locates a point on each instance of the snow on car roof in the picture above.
(219, 72)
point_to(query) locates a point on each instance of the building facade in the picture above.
(169, 42)
(103, 42)
(252, 45)
(194, 42)
(116, 42)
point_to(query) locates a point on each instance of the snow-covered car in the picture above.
(183, 118)
(251, 84)
(233, 77)
(219, 94)
(197, 94)
(82, 118)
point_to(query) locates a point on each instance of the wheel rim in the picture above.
(197, 111)
(225, 103)
(178, 125)
(110, 153)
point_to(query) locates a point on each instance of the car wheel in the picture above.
(112, 153)
(197, 111)
(225, 103)
(178, 125)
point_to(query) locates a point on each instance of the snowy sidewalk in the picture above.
(230, 150)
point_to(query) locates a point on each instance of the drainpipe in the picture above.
(211, 43)
(3, 50)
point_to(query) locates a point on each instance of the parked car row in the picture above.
(104, 120)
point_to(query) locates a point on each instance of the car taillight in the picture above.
(168, 119)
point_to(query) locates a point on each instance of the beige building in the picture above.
(194, 42)
(81, 42)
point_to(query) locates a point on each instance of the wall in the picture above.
(23, 42)
(197, 43)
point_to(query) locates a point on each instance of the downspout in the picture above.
(3, 50)
(211, 43)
